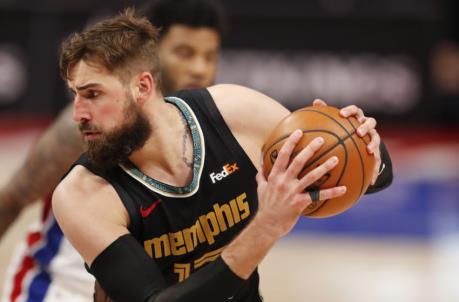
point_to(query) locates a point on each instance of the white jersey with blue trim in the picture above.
(46, 267)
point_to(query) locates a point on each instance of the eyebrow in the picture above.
(89, 85)
(84, 87)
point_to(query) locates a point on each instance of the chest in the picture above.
(183, 234)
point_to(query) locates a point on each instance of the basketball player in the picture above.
(47, 268)
(167, 204)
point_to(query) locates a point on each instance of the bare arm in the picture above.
(251, 117)
(44, 166)
(95, 221)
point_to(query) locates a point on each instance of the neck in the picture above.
(167, 154)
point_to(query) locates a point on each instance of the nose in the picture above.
(80, 110)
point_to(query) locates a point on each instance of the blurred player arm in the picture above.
(47, 161)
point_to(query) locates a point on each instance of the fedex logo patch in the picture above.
(227, 170)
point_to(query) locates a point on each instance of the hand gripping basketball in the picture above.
(282, 196)
(341, 139)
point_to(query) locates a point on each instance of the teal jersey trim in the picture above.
(198, 158)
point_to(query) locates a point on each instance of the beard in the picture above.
(114, 147)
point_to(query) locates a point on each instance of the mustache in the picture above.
(86, 126)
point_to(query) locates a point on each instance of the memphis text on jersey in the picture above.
(206, 228)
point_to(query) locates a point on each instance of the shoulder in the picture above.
(250, 114)
(247, 109)
(88, 192)
(246, 101)
(80, 182)
(89, 212)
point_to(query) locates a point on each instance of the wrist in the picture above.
(267, 227)
(248, 249)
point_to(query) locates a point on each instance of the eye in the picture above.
(92, 94)
(184, 52)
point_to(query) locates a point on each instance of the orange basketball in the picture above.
(355, 165)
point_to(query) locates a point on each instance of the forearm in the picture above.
(214, 282)
(221, 279)
(127, 273)
(248, 249)
(45, 164)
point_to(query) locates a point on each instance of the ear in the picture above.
(144, 87)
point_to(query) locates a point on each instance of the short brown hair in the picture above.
(124, 44)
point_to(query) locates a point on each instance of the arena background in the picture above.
(397, 59)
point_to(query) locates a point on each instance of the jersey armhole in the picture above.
(207, 103)
(134, 226)
(134, 220)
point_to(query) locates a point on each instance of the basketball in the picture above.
(355, 166)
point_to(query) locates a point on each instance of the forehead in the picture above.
(85, 72)
(204, 38)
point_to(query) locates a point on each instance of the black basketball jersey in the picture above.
(184, 228)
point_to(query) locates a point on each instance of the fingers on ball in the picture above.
(301, 158)
(330, 193)
(317, 173)
(285, 152)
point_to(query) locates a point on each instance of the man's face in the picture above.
(189, 57)
(111, 123)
